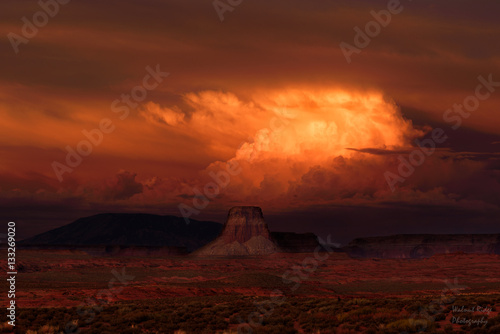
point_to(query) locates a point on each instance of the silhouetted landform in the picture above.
(126, 230)
(245, 233)
(290, 242)
(124, 234)
(416, 246)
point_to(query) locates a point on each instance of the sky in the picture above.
(345, 118)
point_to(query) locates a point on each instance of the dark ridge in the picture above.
(423, 245)
(126, 229)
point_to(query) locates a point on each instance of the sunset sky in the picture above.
(267, 92)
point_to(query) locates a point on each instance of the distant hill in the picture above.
(147, 234)
(127, 229)
(423, 245)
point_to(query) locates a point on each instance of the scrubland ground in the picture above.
(71, 291)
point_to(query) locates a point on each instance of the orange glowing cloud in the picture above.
(297, 132)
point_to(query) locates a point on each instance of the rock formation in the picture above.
(245, 233)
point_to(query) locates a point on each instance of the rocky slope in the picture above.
(245, 233)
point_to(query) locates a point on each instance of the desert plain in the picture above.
(71, 291)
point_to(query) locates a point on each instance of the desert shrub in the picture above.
(234, 319)
(47, 329)
(343, 317)
(363, 311)
(131, 331)
(312, 322)
(137, 317)
(386, 315)
(370, 331)
(5, 328)
(358, 301)
(411, 325)
(448, 328)
(415, 307)
(149, 325)
(271, 329)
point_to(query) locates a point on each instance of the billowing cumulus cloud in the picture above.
(218, 119)
(306, 151)
(331, 147)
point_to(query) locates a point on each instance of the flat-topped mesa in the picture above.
(244, 223)
(423, 245)
(245, 233)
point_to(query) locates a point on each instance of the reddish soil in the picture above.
(68, 278)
